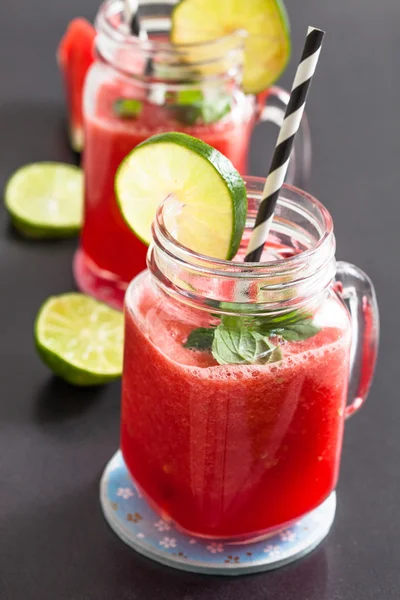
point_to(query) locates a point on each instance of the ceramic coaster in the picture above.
(140, 527)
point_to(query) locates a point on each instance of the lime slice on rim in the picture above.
(45, 200)
(207, 196)
(80, 339)
(267, 46)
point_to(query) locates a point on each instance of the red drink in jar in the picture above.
(237, 451)
(124, 105)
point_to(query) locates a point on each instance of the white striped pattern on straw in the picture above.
(284, 144)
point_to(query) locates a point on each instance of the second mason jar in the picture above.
(137, 88)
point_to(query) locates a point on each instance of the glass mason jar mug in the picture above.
(137, 88)
(236, 375)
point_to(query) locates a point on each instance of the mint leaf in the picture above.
(279, 322)
(294, 326)
(185, 105)
(233, 345)
(275, 355)
(188, 97)
(128, 108)
(200, 339)
(266, 351)
(240, 345)
(215, 111)
(296, 332)
(246, 340)
(232, 321)
(192, 106)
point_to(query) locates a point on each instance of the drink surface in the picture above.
(106, 240)
(231, 450)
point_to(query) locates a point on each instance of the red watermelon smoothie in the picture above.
(230, 451)
(108, 247)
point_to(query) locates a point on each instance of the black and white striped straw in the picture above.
(284, 144)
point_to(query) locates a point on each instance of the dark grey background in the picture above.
(54, 440)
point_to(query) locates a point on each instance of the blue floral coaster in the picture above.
(140, 527)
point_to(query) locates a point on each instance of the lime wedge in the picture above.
(80, 339)
(45, 200)
(267, 47)
(207, 202)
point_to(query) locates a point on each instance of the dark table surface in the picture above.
(55, 440)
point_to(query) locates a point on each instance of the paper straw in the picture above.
(284, 144)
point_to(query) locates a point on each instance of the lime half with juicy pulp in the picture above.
(45, 200)
(80, 339)
(267, 39)
(206, 201)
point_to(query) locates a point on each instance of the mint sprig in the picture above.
(240, 345)
(296, 332)
(247, 340)
(128, 108)
(193, 106)
(200, 339)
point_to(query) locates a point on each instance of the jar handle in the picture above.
(356, 290)
(272, 105)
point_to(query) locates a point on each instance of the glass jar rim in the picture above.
(156, 59)
(122, 35)
(299, 275)
(185, 254)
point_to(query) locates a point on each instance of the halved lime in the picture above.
(267, 47)
(45, 200)
(80, 339)
(207, 197)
